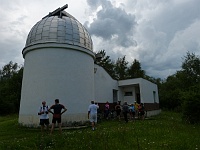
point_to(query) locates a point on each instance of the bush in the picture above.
(191, 107)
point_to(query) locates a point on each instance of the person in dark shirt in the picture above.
(118, 109)
(57, 112)
(125, 111)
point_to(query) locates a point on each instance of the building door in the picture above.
(154, 96)
(115, 96)
(138, 98)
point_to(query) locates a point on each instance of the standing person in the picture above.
(106, 110)
(57, 108)
(92, 114)
(136, 109)
(118, 110)
(132, 111)
(44, 118)
(141, 111)
(125, 111)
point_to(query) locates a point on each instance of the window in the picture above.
(128, 94)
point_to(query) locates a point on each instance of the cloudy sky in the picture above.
(158, 33)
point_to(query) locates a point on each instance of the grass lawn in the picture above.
(163, 132)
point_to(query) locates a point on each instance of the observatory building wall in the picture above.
(54, 72)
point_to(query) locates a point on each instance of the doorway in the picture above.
(138, 98)
(115, 96)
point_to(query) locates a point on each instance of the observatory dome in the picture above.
(61, 28)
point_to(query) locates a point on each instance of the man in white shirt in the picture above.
(44, 117)
(92, 114)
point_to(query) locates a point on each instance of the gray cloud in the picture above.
(112, 23)
(176, 16)
(166, 31)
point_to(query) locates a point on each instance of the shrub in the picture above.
(191, 107)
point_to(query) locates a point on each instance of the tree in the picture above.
(106, 63)
(121, 68)
(191, 69)
(8, 70)
(10, 88)
(190, 94)
(169, 93)
(191, 105)
(181, 90)
(135, 71)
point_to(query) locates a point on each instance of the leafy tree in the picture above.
(8, 70)
(169, 93)
(121, 68)
(10, 88)
(157, 81)
(135, 71)
(191, 69)
(191, 105)
(191, 81)
(106, 63)
(181, 90)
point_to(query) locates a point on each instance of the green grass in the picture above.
(163, 132)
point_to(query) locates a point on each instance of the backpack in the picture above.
(42, 108)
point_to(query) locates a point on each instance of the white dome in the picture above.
(59, 29)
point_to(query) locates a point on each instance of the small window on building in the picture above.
(128, 94)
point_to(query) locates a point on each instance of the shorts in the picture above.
(44, 122)
(58, 120)
(93, 117)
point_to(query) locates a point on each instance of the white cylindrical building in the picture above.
(59, 64)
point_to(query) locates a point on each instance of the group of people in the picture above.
(44, 110)
(59, 109)
(132, 109)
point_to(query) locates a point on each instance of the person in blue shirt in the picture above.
(132, 111)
